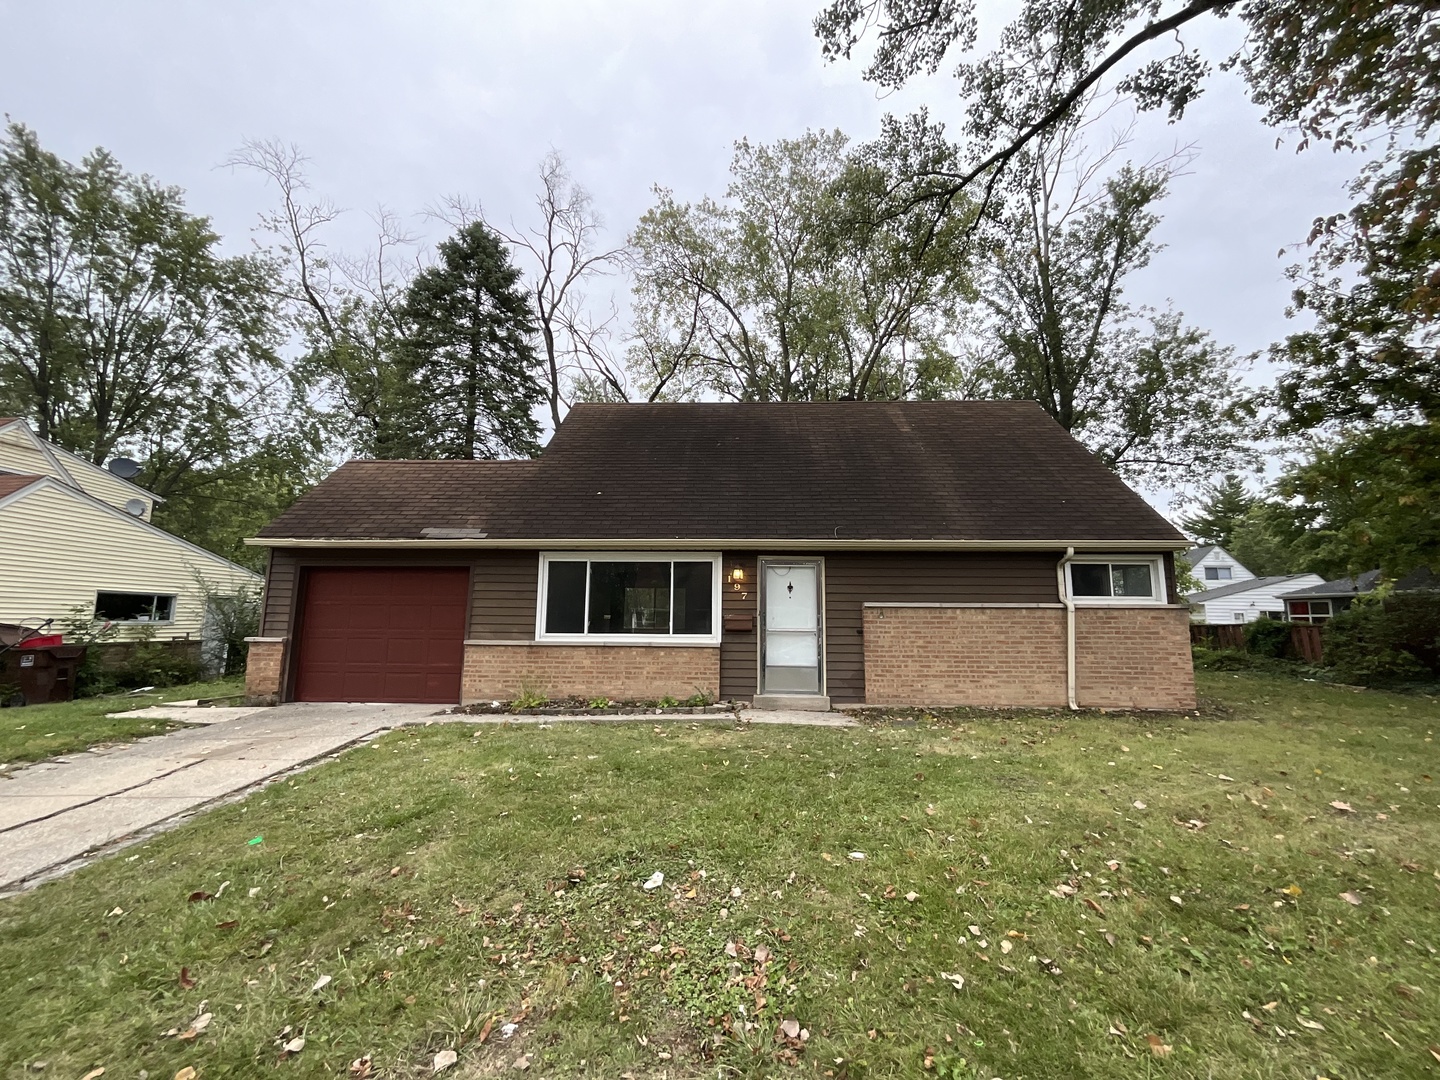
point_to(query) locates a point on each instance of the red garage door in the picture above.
(382, 635)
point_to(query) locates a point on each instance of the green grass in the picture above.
(37, 732)
(433, 876)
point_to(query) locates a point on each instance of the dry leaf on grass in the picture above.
(485, 1030)
(1158, 1046)
(1342, 807)
(187, 1073)
(443, 1060)
(954, 979)
(320, 983)
(295, 1045)
(186, 982)
(912, 896)
(1313, 1025)
(654, 881)
(1351, 897)
(199, 1024)
(360, 1068)
(94, 1074)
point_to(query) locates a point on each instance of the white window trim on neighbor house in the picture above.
(154, 597)
(710, 640)
(1157, 581)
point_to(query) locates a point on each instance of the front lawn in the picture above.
(1251, 893)
(37, 732)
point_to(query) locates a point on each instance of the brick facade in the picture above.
(1137, 658)
(264, 671)
(1134, 658)
(984, 656)
(621, 672)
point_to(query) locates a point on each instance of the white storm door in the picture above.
(792, 644)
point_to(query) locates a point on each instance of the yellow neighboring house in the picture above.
(75, 536)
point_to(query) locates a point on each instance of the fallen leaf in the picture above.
(295, 1045)
(1138, 805)
(94, 1074)
(186, 982)
(1313, 1025)
(443, 1060)
(1270, 1006)
(1093, 906)
(654, 881)
(522, 1062)
(200, 894)
(1292, 890)
(1351, 898)
(320, 983)
(954, 979)
(1434, 1051)
(1343, 807)
(485, 1031)
(858, 856)
(360, 1068)
(762, 954)
(974, 930)
(1005, 945)
(199, 1024)
(1176, 900)
(790, 1029)
(187, 1073)
(228, 924)
(1158, 1046)
(912, 896)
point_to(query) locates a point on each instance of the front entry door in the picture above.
(792, 645)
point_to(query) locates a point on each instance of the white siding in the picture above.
(1221, 557)
(57, 549)
(18, 453)
(1251, 603)
(105, 485)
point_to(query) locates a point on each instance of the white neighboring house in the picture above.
(1245, 601)
(1215, 566)
(73, 536)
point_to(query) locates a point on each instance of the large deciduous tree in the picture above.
(792, 289)
(123, 328)
(1154, 399)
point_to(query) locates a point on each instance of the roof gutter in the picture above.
(719, 543)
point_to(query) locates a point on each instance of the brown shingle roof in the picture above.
(13, 482)
(953, 470)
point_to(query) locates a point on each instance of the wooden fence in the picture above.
(1305, 640)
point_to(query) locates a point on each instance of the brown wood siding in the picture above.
(739, 649)
(279, 599)
(503, 605)
(853, 580)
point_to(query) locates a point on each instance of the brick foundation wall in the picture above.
(1133, 658)
(264, 665)
(620, 672)
(964, 656)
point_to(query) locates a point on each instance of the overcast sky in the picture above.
(403, 103)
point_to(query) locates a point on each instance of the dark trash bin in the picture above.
(31, 675)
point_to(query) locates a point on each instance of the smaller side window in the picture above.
(1116, 581)
(134, 607)
(1239, 616)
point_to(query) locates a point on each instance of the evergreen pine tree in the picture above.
(470, 368)
(1220, 512)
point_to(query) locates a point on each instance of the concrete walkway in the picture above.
(58, 814)
(54, 814)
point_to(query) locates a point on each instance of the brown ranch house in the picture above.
(795, 555)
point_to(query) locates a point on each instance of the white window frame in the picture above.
(1222, 573)
(716, 591)
(1157, 581)
(174, 606)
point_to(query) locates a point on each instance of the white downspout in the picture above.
(1069, 628)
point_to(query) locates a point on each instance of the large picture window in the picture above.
(630, 597)
(1116, 581)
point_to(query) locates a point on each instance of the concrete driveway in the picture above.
(57, 814)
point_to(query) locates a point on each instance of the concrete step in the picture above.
(792, 702)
